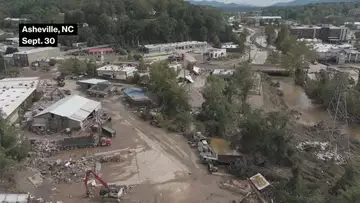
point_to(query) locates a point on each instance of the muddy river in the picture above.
(296, 99)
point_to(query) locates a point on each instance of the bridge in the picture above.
(270, 69)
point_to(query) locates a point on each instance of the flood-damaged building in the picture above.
(116, 72)
(16, 94)
(136, 96)
(97, 87)
(74, 112)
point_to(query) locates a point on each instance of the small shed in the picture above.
(136, 95)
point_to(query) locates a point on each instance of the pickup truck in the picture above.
(84, 141)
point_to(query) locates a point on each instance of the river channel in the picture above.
(296, 99)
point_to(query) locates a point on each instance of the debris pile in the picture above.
(111, 158)
(44, 148)
(322, 150)
(64, 171)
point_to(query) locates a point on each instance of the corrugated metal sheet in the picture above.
(14, 198)
(73, 107)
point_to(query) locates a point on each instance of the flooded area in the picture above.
(296, 99)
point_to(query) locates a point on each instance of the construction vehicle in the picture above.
(60, 79)
(84, 141)
(107, 191)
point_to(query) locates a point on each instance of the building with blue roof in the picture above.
(136, 95)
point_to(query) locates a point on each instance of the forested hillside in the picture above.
(335, 13)
(126, 22)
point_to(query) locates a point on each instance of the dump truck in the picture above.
(84, 141)
(108, 132)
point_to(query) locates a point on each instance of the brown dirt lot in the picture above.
(161, 165)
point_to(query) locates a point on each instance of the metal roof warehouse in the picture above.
(73, 107)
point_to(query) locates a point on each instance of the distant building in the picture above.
(264, 20)
(175, 66)
(12, 41)
(25, 58)
(339, 54)
(174, 47)
(216, 53)
(224, 73)
(116, 72)
(99, 51)
(16, 93)
(73, 112)
(15, 21)
(326, 33)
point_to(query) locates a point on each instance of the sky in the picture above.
(255, 2)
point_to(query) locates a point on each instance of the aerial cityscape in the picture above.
(176, 101)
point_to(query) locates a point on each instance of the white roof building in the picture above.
(73, 107)
(13, 93)
(92, 81)
(116, 68)
(14, 198)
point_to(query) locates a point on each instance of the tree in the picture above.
(52, 62)
(142, 67)
(217, 112)
(10, 50)
(282, 35)
(91, 69)
(268, 134)
(270, 34)
(73, 66)
(172, 98)
(240, 84)
(216, 42)
(13, 146)
(2, 63)
(295, 59)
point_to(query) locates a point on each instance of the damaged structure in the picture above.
(15, 94)
(74, 112)
(97, 87)
(116, 72)
(136, 96)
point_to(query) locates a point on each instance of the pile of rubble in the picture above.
(44, 148)
(322, 150)
(67, 171)
(64, 171)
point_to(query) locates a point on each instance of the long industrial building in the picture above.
(173, 47)
(25, 58)
(16, 93)
(326, 33)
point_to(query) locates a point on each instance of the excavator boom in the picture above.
(97, 178)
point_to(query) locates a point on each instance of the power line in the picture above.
(337, 111)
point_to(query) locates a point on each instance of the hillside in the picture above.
(217, 4)
(327, 13)
(125, 22)
(304, 2)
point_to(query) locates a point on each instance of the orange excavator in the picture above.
(108, 191)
